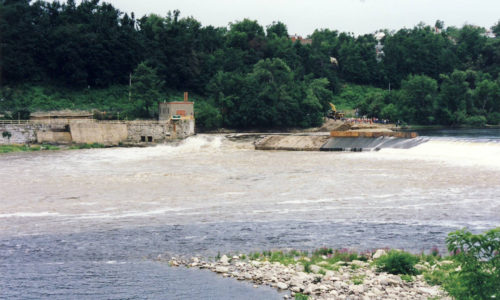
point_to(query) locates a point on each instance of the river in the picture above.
(90, 223)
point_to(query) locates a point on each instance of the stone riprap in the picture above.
(352, 280)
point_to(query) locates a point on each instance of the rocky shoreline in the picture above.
(352, 280)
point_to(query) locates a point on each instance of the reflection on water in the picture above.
(98, 217)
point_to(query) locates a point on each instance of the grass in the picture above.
(26, 148)
(398, 262)
(471, 271)
(86, 146)
(42, 147)
(300, 296)
(358, 279)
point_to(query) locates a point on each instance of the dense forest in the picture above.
(62, 55)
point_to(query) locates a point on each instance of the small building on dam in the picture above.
(175, 121)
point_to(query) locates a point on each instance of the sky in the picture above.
(304, 16)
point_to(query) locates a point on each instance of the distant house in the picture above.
(298, 38)
(176, 110)
(489, 34)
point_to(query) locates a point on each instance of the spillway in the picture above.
(357, 144)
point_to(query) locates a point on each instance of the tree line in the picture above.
(244, 75)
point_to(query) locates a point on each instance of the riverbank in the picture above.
(46, 147)
(334, 274)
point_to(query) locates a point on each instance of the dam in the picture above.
(175, 121)
(341, 141)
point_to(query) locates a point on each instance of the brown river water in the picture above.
(118, 208)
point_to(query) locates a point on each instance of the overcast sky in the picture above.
(303, 16)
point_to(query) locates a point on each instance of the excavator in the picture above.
(334, 114)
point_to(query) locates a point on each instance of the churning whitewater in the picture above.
(69, 213)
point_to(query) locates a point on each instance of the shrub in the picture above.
(476, 121)
(300, 296)
(397, 262)
(478, 254)
(7, 135)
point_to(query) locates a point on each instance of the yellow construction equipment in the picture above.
(334, 114)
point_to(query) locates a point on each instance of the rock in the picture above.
(329, 273)
(379, 253)
(340, 285)
(236, 257)
(334, 293)
(194, 264)
(383, 280)
(247, 276)
(310, 289)
(255, 286)
(445, 262)
(356, 289)
(195, 259)
(315, 268)
(376, 291)
(224, 260)
(282, 285)
(359, 263)
(395, 280)
(297, 289)
(429, 291)
(255, 263)
(220, 269)
(173, 263)
(420, 267)
(299, 267)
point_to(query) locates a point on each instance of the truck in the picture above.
(334, 114)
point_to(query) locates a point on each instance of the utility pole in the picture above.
(130, 87)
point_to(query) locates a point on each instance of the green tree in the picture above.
(418, 99)
(208, 117)
(478, 255)
(146, 88)
(271, 102)
(453, 98)
(278, 29)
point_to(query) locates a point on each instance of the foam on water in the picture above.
(29, 215)
(195, 144)
(467, 153)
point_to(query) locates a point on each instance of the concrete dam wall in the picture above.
(88, 132)
(348, 142)
(102, 133)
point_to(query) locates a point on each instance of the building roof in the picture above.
(61, 114)
(179, 102)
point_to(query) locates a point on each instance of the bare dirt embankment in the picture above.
(292, 142)
(337, 125)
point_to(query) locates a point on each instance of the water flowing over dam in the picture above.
(90, 223)
(370, 144)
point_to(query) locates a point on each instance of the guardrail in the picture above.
(16, 122)
(68, 121)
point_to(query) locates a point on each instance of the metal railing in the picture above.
(14, 122)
